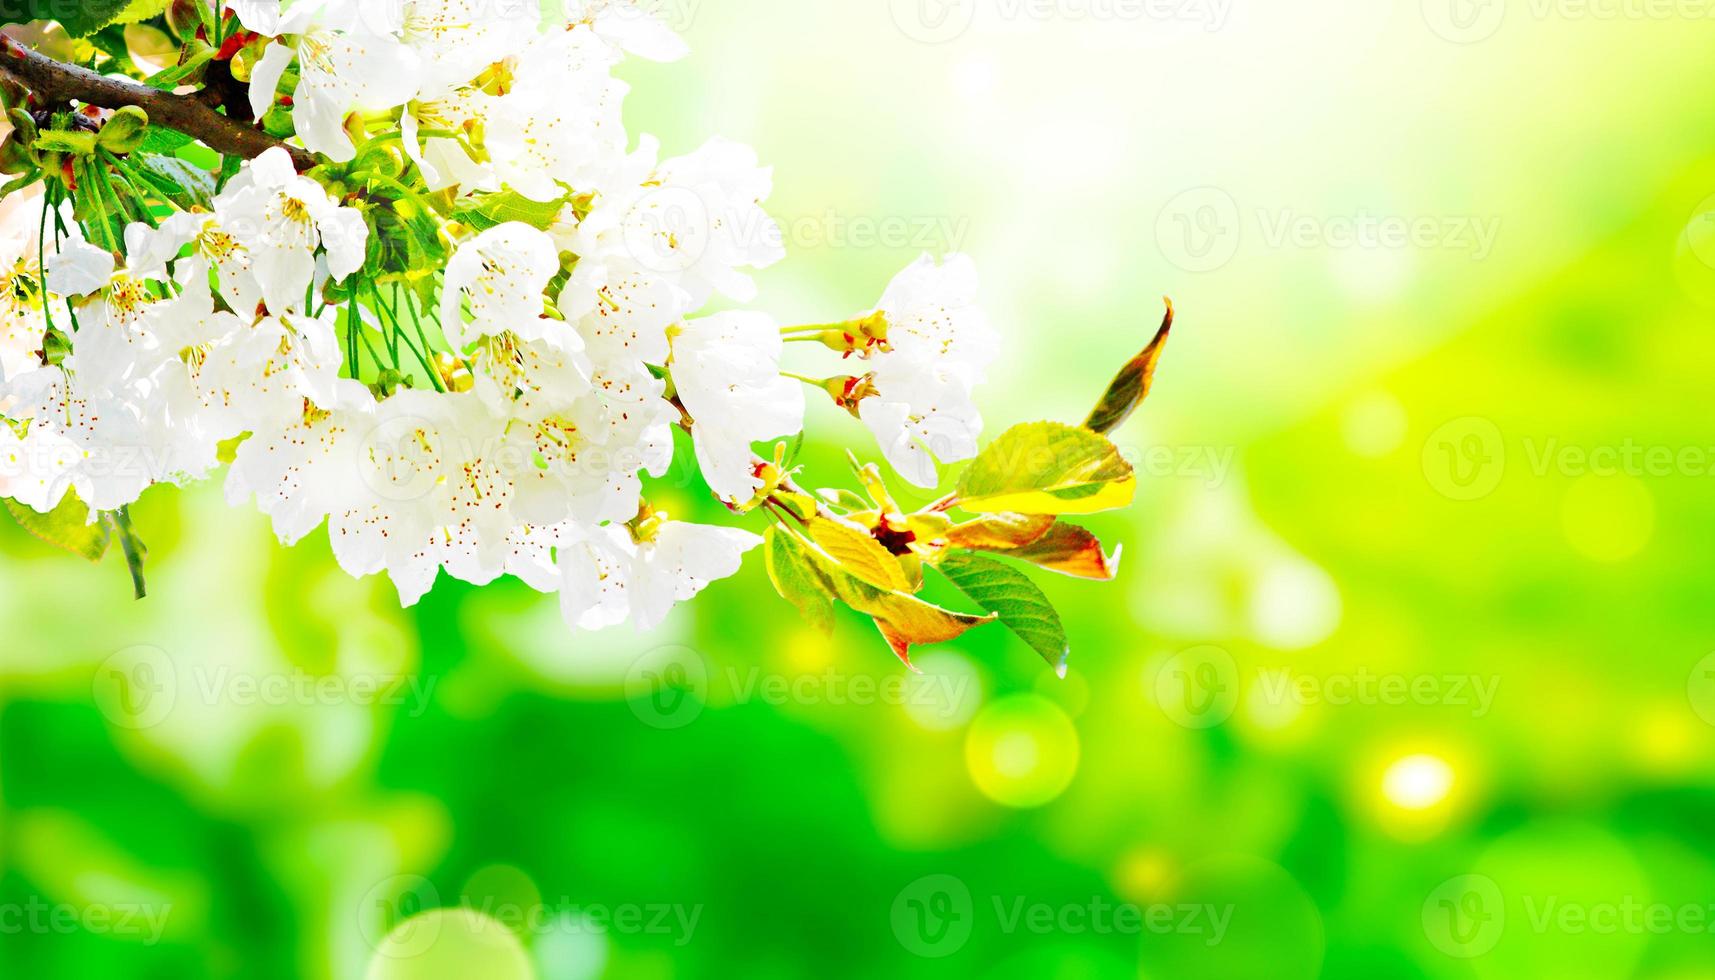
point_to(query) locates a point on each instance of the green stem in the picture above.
(423, 355)
(42, 252)
(133, 547)
(123, 169)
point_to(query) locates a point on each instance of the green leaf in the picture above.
(796, 578)
(200, 157)
(1131, 386)
(845, 500)
(485, 211)
(67, 526)
(402, 239)
(78, 17)
(1047, 468)
(1021, 606)
(161, 140)
(177, 180)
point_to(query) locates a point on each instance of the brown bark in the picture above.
(53, 81)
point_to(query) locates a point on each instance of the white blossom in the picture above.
(938, 348)
(344, 64)
(727, 371)
(281, 218)
(619, 574)
(497, 283)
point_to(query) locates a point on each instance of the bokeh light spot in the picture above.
(1022, 751)
(1295, 605)
(1417, 782)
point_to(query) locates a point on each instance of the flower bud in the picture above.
(56, 347)
(277, 121)
(15, 155)
(124, 132)
(23, 124)
(184, 19)
(390, 381)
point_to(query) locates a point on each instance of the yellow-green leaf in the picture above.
(67, 526)
(141, 10)
(854, 550)
(1021, 606)
(904, 620)
(999, 532)
(1047, 468)
(797, 579)
(1131, 386)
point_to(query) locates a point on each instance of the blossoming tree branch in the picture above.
(396, 266)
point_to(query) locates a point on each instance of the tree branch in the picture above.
(54, 81)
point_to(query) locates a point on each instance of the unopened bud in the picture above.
(184, 19)
(56, 347)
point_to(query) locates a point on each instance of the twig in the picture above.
(53, 81)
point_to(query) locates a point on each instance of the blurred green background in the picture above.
(1410, 670)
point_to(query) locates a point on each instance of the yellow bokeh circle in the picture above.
(1022, 751)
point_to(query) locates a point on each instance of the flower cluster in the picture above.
(463, 337)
